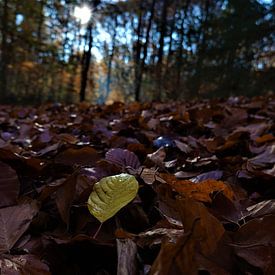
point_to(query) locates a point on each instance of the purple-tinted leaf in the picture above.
(214, 175)
(9, 185)
(123, 158)
(185, 148)
(46, 136)
(265, 158)
(6, 136)
(185, 174)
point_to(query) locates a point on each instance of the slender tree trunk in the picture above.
(169, 58)
(180, 52)
(86, 61)
(4, 53)
(202, 49)
(161, 48)
(145, 49)
(109, 73)
(38, 48)
(74, 64)
(138, 47)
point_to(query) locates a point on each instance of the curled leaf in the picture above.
(111, 194)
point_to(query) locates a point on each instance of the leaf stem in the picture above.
(97, 231)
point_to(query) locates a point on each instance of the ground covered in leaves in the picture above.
(206, 188)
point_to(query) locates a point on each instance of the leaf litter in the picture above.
(205, 201)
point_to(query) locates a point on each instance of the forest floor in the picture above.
(206, 188)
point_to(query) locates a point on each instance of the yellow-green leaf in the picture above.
(110, 194)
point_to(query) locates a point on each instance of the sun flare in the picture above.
(83, 14)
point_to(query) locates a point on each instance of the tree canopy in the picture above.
(135, 50)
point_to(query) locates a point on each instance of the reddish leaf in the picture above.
(198, 191)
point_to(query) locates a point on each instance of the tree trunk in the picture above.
(161, 50)
(180, 52)
(4, 51)
(137, 49)
(86, 63)
(145, 49)
(38, 48)
(110, 61)
(201, 52)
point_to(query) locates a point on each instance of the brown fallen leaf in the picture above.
(199, 191)
(265, 138)
(23, 265)
(83, 156)
(9, 185)
(14, 221)
(64, 197)
(202, 235)
(255, 243)
(207, 230)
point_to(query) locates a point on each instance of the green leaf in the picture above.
(111, 194)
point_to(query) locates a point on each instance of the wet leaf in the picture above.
(111, 194)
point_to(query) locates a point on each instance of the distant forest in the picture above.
(135, 50)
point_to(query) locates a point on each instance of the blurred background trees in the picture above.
(135, 49)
